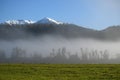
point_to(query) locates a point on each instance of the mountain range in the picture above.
(25, 29)
(45, 20)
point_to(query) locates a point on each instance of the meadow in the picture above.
(59, 71)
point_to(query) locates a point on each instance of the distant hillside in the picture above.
(50, 27)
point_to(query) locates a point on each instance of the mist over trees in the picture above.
(40, 36)
(61, 55)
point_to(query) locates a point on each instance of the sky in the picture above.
(95, 14)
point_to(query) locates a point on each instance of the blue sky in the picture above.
(96, 14)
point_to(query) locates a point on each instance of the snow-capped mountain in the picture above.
(64, 30)
(47, 20)
(11, 22)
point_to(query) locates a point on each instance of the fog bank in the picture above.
(44, 45)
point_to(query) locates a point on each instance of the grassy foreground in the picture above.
(59, 71)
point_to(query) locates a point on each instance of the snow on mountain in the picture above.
(47, 20)
(10, 22)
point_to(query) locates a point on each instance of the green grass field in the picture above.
(59, 71)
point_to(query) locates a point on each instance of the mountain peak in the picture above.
(47, 20)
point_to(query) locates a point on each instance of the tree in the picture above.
(105, 55)
(37, 58)
(60, 56)
(52, 54)
(84, 54)
(18, 53)
(2, 56)
(74, 58)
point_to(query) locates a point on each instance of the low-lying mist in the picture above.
(44, 45)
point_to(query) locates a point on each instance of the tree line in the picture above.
(60, 55)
